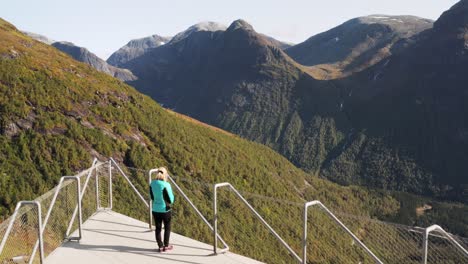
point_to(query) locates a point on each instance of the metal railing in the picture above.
(192, 205)
(392, 238)
(51, 207)
(440, 230)
(129, 182)
(304, 247)
(39, 227)
(77, 211)
(78, 207)
(215, 220)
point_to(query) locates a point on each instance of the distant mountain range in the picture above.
(84, 55)
(394, 119)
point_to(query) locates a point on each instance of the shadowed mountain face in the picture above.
(136, 48)
(356, 44)
(84, 55)
(368, 129)
(198, 71)
(416, 103)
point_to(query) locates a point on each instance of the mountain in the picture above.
(56, 114)
(197, 67)
(356, 44)
(136, 48)
(236, 80)
(39, 37)
(413, 107)
(84, 55)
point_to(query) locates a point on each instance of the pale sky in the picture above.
(103, 26)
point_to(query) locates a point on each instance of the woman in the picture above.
(163, 198)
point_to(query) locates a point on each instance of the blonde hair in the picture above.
(161, 174)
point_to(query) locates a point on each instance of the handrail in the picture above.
(52, 203)
(111, 205)
(439, 229)
(72, 220)
(226, 247)
(215, 220)
(39, 228)
(304, 249)
(129, 182)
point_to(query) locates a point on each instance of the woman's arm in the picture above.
(168, 195)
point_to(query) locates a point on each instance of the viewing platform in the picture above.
(110, 237)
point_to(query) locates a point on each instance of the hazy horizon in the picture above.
(105, 26)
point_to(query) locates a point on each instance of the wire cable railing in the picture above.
(109, 185)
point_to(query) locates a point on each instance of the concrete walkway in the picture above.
(109, 237)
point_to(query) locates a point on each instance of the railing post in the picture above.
(40, 232)
(150, 202)
(425, 245)
(215, 220)
(110, 185)
(304, 236)
(80, 213)
(98, 202)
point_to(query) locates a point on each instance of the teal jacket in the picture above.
(162, 196)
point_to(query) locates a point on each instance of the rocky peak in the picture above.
(148, 42)
(136, 48)
(203, 26)
(240, 24)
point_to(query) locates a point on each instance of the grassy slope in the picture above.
(57, 113)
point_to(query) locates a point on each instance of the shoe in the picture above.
(170, 247)
(160, 249)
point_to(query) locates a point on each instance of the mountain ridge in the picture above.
(356, 44)
(84, 55)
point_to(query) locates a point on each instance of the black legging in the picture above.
(159, 218)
